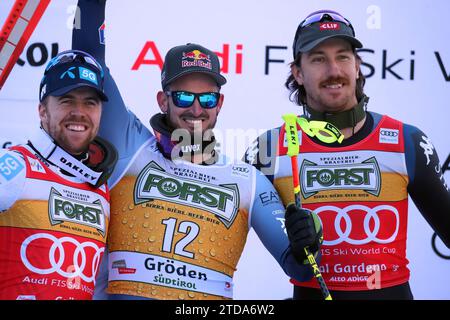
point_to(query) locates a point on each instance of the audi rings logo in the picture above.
(241, 169)
(389, 136)
(369, 233)
(57, 255)
(389, 133)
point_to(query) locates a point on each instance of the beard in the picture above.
(72, 142)
(198, 130)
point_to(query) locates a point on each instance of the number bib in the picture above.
(178, 229)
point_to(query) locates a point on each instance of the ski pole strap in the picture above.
(322, 130)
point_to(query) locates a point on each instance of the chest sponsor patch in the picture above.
(389, 136)
(76, 209)
(35, 165)
(240, 171)
(363, 176)
(155, 183)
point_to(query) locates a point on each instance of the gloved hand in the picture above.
(304, 230)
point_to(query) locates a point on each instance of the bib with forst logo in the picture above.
(178, 229)
(360, 194)
(53, 237)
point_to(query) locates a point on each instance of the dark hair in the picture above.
(298, 92)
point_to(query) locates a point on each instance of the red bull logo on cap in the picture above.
(195, 58)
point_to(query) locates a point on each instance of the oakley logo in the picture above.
(329, 26)
(77, 168)
(57, 252)
(368, 232)
(69, 73)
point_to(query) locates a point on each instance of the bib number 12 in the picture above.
(190, 229)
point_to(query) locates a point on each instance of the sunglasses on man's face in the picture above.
(185, 99)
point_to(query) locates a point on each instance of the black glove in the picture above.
(304, 230)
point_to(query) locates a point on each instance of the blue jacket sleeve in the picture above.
(118, 125)
(267, 219)
(427, 186)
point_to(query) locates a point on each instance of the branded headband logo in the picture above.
(84, 74)
(69, 73)
(196, 58)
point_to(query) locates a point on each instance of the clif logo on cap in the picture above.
(329, 26)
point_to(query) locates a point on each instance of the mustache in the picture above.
(334, 80)
(203, 115)
(79, 120)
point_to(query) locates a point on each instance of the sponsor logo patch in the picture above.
(389, 136)
(122, 268)
(240, 171)
(221, 200)
(63, 209)
(10, 167)
(101, 33)
(195, 58)
(88, 75)
(35, 165)
(365, 176)
(329, 26)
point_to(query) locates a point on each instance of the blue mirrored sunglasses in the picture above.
(71, 56)
(185, 99)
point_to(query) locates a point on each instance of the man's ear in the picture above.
(163, 101)
(358, 67)
(220, 103)
(42, 110)
(297, 73)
